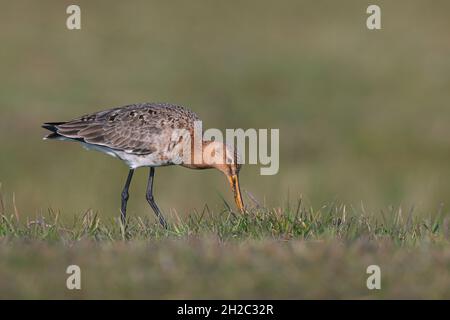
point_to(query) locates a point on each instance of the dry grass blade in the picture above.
(253, 199)
(2, 204)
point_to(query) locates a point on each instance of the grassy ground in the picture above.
(288, 253)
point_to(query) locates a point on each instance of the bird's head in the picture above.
(225, 159)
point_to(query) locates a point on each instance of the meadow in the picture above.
(295, 253)
(364, 149)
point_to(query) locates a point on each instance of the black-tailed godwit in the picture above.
(149, 135)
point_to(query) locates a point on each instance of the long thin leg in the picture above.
(151, 200)
(125, 197)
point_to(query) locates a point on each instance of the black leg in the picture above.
(151, 200)
(125, 197)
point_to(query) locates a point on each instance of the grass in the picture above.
(335, 222)
(281, 253)
(206, 268)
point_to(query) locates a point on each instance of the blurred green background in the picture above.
(363, 115)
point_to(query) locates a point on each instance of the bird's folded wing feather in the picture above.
(126, 130)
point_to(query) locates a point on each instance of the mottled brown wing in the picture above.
(135, 129)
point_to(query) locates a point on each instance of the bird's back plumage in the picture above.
(141, 134)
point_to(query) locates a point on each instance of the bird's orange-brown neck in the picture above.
(218, 155)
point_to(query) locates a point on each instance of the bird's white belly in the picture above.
(149, 160)
(132, 160)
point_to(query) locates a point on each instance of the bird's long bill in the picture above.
(234, 183)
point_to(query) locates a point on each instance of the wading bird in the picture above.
(149, 135)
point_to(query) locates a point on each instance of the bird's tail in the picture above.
(53, 127)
